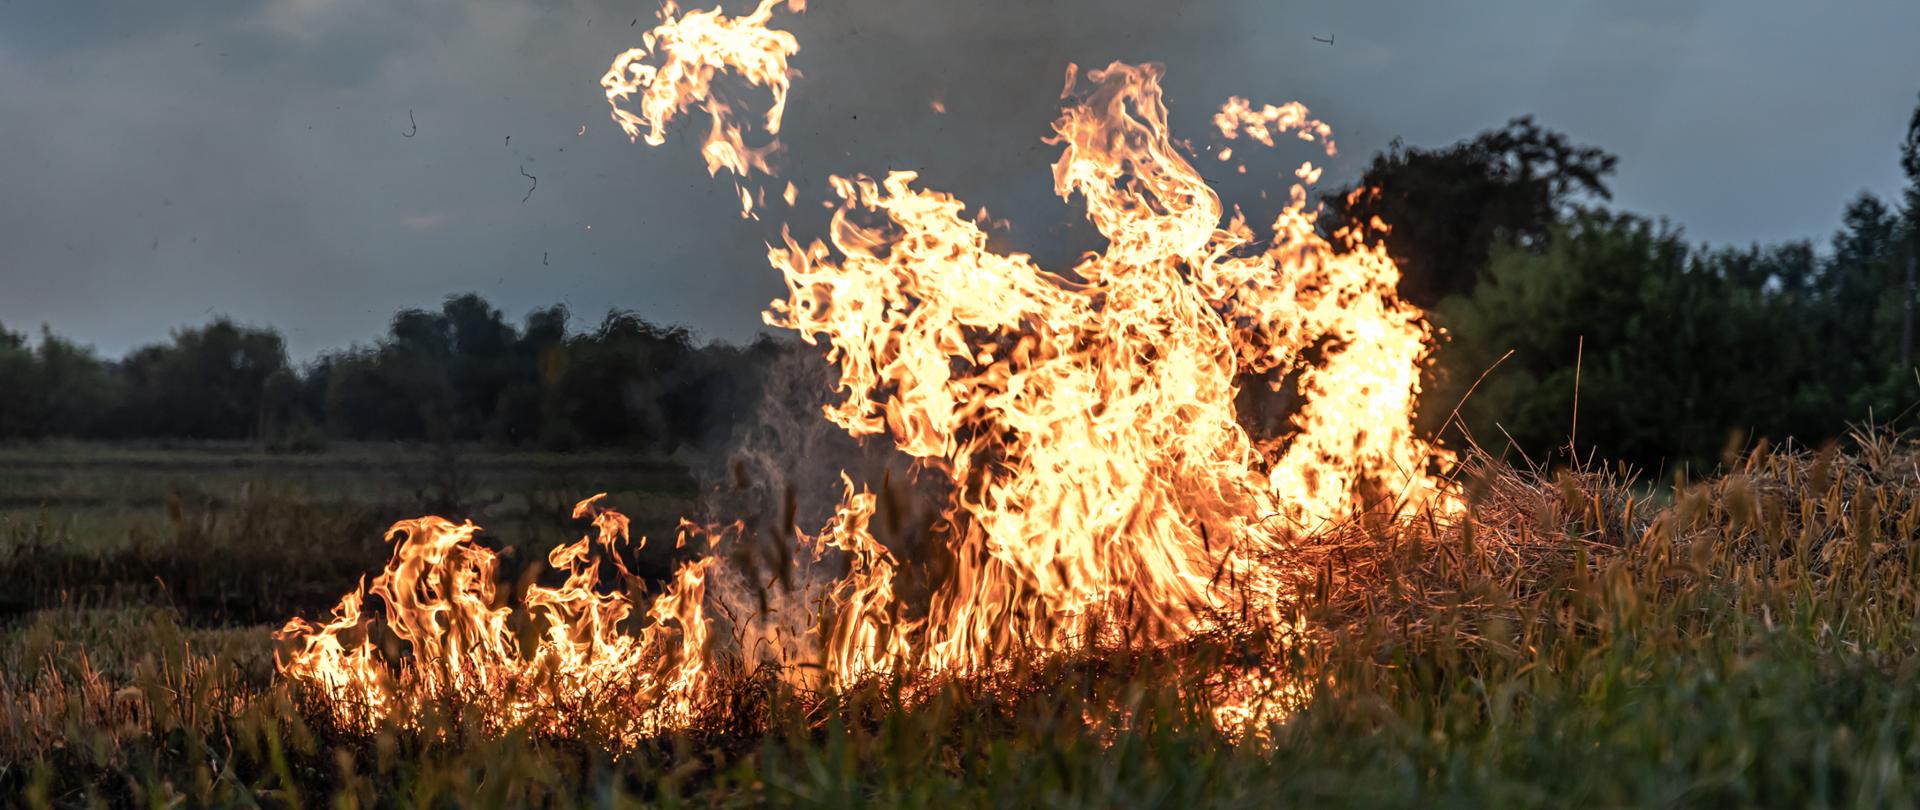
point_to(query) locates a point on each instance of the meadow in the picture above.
(1582, 639)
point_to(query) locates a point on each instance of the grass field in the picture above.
(1744, 641)
(230, 533)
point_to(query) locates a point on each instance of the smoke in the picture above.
(776, 486)
(767, 474)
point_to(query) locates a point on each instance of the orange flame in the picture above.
(1238, 116)
(1101, 480)
(440, 601)
(674, 68)
(1088, 422)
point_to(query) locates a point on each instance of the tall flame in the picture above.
(1101, 480)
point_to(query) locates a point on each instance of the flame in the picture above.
(462, 645)
(1087, 421)
(1238, 117)
(1102, 485)
(673, 71)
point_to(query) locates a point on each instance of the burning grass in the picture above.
(1119, 595)
(1579, 639)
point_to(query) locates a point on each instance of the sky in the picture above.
(167, 163)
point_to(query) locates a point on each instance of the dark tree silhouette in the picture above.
(1910, 163)
(1446, 207)
(206, 384)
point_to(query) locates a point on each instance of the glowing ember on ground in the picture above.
(1101, 484)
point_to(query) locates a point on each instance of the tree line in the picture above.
(1670, 355)
(1547, 303)
(461, 373)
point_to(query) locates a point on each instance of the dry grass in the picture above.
(1748, 640)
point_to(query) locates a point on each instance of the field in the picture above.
(1582, 640)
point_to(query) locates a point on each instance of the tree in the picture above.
(1859, 322)
(480, 361)
(1446, 208)
(366, 399)
(207, 384)
(1910, 163)
(77, 390)
(615, 381)
(397, 389)
(20, 415)
(1673, 352)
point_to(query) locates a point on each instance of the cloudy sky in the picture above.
(169, 162)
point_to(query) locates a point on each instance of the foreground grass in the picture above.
(1750, 641)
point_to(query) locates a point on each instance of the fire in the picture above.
(440, 600)
(1102, 485)
(690, 51)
